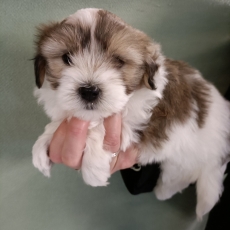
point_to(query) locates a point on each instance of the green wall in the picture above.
(196, 31)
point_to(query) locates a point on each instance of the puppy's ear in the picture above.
(39, 69)
(40, 64)
(152, 60)
(150, 69)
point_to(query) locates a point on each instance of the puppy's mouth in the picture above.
(90, 106)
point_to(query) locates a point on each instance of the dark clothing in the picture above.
(141, 181)
(219, 217)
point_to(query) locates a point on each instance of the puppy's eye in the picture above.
(119, 61)
(66, 59)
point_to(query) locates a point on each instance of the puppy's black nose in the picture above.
(90, 93)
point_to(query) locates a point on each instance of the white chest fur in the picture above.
(136, 115)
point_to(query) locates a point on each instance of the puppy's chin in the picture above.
(91, 115)
(98, 111)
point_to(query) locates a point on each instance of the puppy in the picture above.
(92, 65)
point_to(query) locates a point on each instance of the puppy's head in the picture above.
(89, 64)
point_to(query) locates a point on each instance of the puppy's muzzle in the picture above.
(89, 93)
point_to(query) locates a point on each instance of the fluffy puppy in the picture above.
(92, 65)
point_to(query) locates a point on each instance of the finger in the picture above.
(74, 143)
(124, 159)
(113, 163)
(112, 133)
(57, 142)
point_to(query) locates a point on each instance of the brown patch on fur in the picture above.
(84, 37)
(200, 92)
(180, 92)
(106, 27)
(65, 38)
(132, 78)
(52, 79)
(118, 39)
(148, 78)
(43, 32)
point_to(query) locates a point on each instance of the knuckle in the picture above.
(72, 163)
(53, 154)
(113, 142)
(55, 159)
(76, 130)
(61, 132)
(77, 127)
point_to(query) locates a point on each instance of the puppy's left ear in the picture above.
(150, 69)
(152, 62)
(39, 69)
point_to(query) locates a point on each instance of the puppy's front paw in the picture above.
(162, 192)
(40, 159)
(96, 169)
(202, 208)
(96, 177)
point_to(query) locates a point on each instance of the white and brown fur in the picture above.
(173, 115)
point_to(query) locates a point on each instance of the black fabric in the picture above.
(227, 95)
(219, 217)
(141, 181)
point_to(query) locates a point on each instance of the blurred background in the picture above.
(196, 31)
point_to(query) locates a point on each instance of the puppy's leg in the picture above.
(96, 161)
(40, 159)
(170, 181)
(209, 188)
(165, 190)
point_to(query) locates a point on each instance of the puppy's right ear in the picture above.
(39, 69)
(152, 63)
(151, 68)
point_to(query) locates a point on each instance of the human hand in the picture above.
(68, 143)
